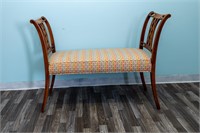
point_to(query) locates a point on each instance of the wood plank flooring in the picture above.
(103, 109)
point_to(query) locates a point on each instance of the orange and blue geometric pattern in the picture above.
(111, 60)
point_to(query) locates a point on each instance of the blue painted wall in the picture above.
(95, 24)
(1, 42)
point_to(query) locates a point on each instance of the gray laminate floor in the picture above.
(103, 109)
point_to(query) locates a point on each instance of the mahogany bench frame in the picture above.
(151, 44)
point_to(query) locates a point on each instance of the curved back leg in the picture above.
(149, 40)
(153, 85)
(46, 91)
(48, 47)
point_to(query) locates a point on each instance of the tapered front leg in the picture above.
(153, 85)
(52, 83)
(143, 81)
(46, 91)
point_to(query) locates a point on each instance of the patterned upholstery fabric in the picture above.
(99, 61)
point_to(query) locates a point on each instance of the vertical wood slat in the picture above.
(45, 33)
(154, 29)
(151, 33)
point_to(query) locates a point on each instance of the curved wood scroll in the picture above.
(153, 36)
(151, 44)
(48, 46)
(46, 38)
(46, 35)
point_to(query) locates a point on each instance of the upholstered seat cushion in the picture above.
(99, 61)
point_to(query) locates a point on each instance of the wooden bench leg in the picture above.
(153, 85)
(52, 84)
(46, 91)
(143, 81)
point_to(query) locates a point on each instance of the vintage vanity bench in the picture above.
(112, 60)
